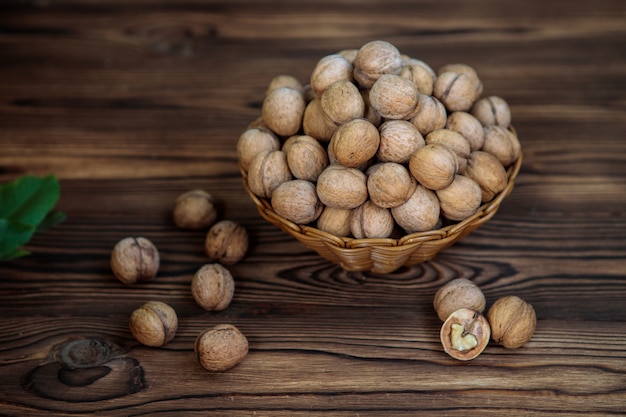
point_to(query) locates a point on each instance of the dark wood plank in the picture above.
(131, 104)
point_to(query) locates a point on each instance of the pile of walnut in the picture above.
(155, 323)
(465, 332)
(378, 140)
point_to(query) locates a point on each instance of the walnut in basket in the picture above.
(342, 187)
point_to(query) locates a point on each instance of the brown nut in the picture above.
(465, 334)
(468, 72)
(267, 171)
(253, 141)
(282, 111)
(316, 123)
(398, 140)
(430, 114)
(335, 221)
(502, 143)
(354, 143)
(420, 73)
(456, 91)
(154, 323)
(512, 321)
(342, 101)
(329, 69)
(394, 97)
(456, 294)
(226, 242)
(488, 173)
(134, 259)
(371, 221)
(221, 347)
(213, 287)
(492, 110)
(434, 166)
(468, 126)
(284, 81)
(374, 59)
(194, 210)
(297, 201)
(454, 141)
(342, 187)
(460, 199)
(389, 184)
(419, 213)
(306, 157)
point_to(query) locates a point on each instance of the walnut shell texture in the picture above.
(213, 287)
(513, 321)
(342, 187)
(297, 201)
(460, 199)
(456, 294)
(221, 347)
(154, 323)
(226, 242)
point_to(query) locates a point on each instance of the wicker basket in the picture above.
(385, 255)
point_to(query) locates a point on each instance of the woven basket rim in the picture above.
(482, 215)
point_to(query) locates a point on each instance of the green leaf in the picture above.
(26, 207)
(53, 218)
(12, 236)
(28, 199)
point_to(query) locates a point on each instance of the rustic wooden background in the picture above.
(131, 103)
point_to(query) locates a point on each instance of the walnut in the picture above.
(194, 210)
(398, 140)
(267, 171)
(513, 321)
(430, 114)
(329, 69)
(468, 72)
(226, 242)
(488, 173)
(419, 213)
(460, 199)
(252, 142)
(297, 201)
(465, 334)
(453, 141)
(284, 81)
(492, 110)
(316, 123)
(456, 91)
(342, 102)
(434, 166)
(342, 187)
(420, 73)
(468, 126)
(389, 184)
(135, 259)
(374, 59)
(371, 221)
(213, 287)
(502, 143)
(394, 97)
(154, 323)
(354, 143)
(306, 158)
(283, 110)
(335, 221)
(456, 294)
(221, 347)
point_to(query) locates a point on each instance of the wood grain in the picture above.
(131, 104)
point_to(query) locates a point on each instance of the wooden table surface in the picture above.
(130, 104)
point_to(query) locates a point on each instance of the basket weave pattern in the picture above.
(383, 255)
